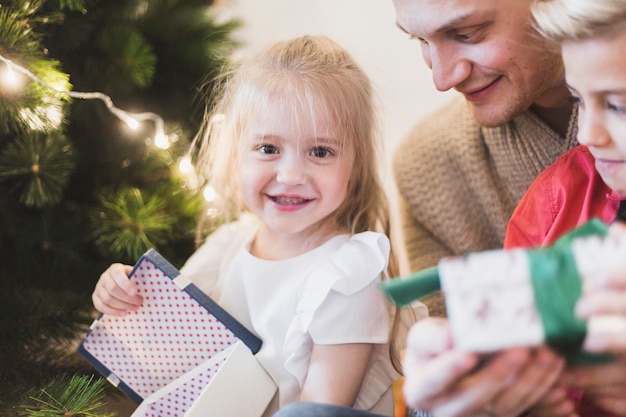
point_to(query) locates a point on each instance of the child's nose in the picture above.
(591, 130)
(291, 172)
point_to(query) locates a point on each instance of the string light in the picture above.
(131, 119)
(10, 78)
(209, 193)
(184, 165)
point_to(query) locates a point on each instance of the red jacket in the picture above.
(566, 195)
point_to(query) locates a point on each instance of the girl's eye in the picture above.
(268, 149)
(321, 152)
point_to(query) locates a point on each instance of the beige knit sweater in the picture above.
(459, 182)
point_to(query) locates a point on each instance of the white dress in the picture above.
(328, 295)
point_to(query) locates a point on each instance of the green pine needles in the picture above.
(37, 168)
(78, 396)
(127, 224)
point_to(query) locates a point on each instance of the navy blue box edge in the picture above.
(242, 333)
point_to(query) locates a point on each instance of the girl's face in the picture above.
(294, 170)
(596, 74)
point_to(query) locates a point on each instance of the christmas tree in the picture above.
(80, 188)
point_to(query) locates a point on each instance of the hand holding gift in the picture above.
(500, 299)
(441, 378)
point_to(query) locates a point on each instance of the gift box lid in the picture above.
(177, 328)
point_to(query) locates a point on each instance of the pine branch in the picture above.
(134, 57)
(79, 396)
(38, 168)
(126, 225)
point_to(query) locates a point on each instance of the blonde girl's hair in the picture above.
(316, 74)
(575, 20)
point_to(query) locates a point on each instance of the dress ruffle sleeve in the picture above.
(341, 301)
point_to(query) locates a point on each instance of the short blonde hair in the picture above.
(572, 20)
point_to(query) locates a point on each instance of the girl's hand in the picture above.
(115, 294)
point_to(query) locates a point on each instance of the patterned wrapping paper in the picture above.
(490, 301)
(215, 388)
(177, 328)
(523, 297)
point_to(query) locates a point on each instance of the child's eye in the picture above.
(576, 100)
(321, 152)
(616, 107)
(420, 40)
(268, 149)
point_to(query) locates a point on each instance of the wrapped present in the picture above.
(175, 346)
(503, 298)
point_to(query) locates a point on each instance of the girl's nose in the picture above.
(291, 172)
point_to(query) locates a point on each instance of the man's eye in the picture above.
(465, 36)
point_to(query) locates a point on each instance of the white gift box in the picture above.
(494, 300)
(490, 301)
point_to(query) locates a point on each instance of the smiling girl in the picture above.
(294, 160)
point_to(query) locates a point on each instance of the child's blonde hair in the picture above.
(575, 20)
(312, 73)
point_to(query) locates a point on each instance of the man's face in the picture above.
(488, 51)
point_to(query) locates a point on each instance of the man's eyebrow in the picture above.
(452, 24)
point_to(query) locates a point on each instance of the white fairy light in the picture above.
(131, 119)
(209, 193)
(10, 78)
(162, 141)
(184, 165)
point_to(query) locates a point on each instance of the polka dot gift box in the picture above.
(177, 347)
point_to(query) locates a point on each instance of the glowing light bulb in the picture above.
(132, 123)
(161, 141)
(209, 193)
(185, 166)
(10, 78)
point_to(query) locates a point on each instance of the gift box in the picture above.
(177, 349)
(232, 383)
(503, 298)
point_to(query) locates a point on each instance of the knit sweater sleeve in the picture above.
(423, 249)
